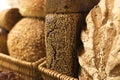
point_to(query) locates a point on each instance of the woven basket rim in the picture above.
(53, 73)
(22, 67)
(9, 59)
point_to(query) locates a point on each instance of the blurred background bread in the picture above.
(9, 17)
(32, 8)
(26, 40)
(3, 41)
(69, 6)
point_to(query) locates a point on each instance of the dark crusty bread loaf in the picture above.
(101, 39)
(69, 6)
(60, 33)
(26, 40)
(9, 17)
(3, 41)
(32, 8)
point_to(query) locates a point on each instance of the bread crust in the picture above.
(60, 33)
(32, 8)
(3, 41)
(101, 41)
(26, 41)
(9, 17)
(69, 6)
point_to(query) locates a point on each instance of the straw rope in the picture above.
(54, 74)
(27, 70)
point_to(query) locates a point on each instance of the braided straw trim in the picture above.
(54, 74)
(23, 68)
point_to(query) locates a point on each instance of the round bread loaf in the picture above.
(3, 41)
(32, 8)
(9, 17)
(26, 40)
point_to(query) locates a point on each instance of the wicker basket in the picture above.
(27, 70)
(49, 74)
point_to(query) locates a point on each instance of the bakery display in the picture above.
(101, 40)
(79, 39)
(69, 6)
(33, 8)
(9, 17)
(3, 41)
(26, 40)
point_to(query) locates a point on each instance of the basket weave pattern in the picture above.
(27, 70)
(51, 74)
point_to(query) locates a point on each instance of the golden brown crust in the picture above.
(101, 42)
(26, 40)
(32, 8)
(84, 75)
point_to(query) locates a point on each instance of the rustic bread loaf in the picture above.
(69, 6)
(9, 17)
(101, 40)
(26, 40)
(60, 33)
(32, 8)
(3, 41)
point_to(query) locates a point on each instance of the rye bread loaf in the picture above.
(9, 17)
(101, 40)
(32, 8)
(60, 37)
(3, 41)
(26, 40)
(69, 6)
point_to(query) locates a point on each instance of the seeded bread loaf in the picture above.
(69, 6)
(101, 56)
(26, 40)
(60, 33)
(9, 17)
(3, 41)
(32, 8)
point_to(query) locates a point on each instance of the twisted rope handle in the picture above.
(53, 73)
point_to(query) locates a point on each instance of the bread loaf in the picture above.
(3, 41)
(60, 33)
(32, 8)
(83, 75)
(69, 6)
(9, 17)
(101, 40)
(26, 40)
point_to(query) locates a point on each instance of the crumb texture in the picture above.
(60, 33)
